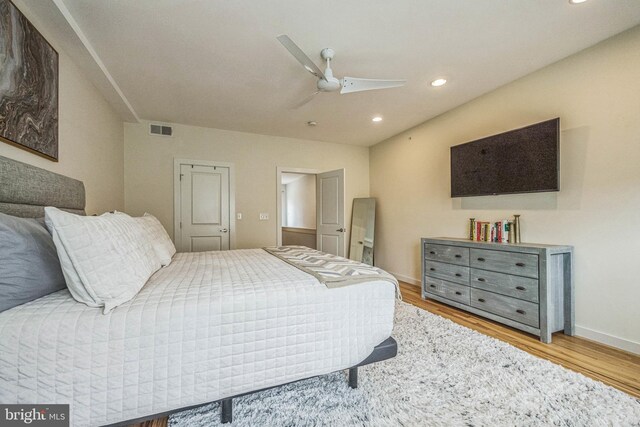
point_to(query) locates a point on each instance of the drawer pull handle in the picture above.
(520, 264)
(432, 269)
(432, 252)
(481, 299)
(481, 259)
(480, 279)
(520, 311)
(458, 275)
(458, 293)
(458, 256)
(520, 288)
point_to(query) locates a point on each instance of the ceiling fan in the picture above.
(326, 81)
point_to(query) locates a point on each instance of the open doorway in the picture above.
(298, 219)
(297, 190)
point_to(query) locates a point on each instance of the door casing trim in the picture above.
(176, 197)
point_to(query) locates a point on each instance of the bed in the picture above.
(209, 327)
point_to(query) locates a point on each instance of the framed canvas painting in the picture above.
(28, 85)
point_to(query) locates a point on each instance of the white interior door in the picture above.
(330, 229)
(204, 208)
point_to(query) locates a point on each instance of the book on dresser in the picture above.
(525, 286)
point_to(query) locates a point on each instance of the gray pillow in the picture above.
(29, 266)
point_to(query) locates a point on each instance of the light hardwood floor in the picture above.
(615, 367)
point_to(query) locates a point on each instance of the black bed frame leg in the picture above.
(227, 411)
(353, 377)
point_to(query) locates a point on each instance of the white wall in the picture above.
(596, 93)
(149, 172)
(301, 202)
(90, 145)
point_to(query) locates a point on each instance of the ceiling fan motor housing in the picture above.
(330, 85)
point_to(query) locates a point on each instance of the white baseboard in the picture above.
(406, 279)
(600, 337)
(610, 340)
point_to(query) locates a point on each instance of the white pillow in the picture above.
(160, 240)
(157, 235)
(107, 258)
(78, 292)
(71, 278)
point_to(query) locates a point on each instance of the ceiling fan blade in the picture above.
(302, 57)
(353, 84)
(305, 101)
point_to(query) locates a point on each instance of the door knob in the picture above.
(223, 230)
(342, 230)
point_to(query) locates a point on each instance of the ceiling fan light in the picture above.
(438, 82)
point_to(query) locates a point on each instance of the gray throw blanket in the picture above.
(331, 270)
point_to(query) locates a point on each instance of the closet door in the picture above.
(204, 209)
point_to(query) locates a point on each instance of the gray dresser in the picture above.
(526, 286)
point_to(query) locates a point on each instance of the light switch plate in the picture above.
(238, 216)
(264, 216)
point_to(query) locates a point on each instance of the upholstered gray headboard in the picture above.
(25, 190)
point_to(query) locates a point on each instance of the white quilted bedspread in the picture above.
(208, 326)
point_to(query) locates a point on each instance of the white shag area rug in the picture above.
(444, 374)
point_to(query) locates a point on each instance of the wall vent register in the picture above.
(162, 130)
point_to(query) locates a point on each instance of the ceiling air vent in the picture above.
(161, 130)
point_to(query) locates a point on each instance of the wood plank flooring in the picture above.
(614, 367)
(158, 422)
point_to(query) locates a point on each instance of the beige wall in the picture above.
(596, 93)
(149, 172)
(90, 136)
(301, 202)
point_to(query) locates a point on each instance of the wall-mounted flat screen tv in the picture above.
(525, 160)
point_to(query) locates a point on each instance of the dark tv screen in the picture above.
(524, 160)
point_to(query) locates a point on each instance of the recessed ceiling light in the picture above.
(577, 1)
(312, 123)
(438, 82)
(376, 119)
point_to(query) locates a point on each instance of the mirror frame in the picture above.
(368, 259)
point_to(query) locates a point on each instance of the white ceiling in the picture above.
(217, 63)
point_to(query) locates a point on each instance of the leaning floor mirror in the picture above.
(363, 219)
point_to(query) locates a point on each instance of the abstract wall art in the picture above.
(28, 85)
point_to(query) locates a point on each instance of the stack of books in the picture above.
(485, 231)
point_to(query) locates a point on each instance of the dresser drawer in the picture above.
(451, 272)
(444, 253)
(511, 308)
(448, 290)
(505, 262)
(507, 284)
